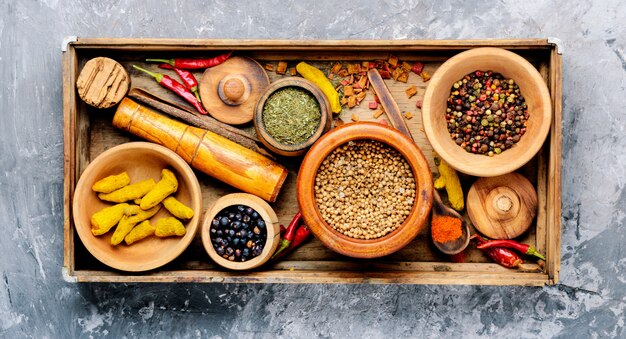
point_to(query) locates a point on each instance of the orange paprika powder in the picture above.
(445, 228)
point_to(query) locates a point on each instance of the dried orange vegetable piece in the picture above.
(411, 91)
(281, 68)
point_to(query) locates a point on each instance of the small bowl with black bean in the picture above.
(240, 231)
(365, 190)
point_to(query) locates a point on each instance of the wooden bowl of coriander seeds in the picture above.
(291, 115)
(365, 190)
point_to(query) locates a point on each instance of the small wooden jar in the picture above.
(264, 210)
(285, 149)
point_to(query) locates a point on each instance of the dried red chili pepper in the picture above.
(175, 87)
(302, 234)
(502, 256)
(187, 77)
(289, 234)
(522, 248)
(184, 63)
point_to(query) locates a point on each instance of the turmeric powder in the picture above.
(103, 220)
(111, 183)
(445, 228)
(140, 232)
(130, 192)
(166, 186)
(167, 227)
(128, 222)
(177, 208)
(449, 179)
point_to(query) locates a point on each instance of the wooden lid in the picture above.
(502, 207)
(102, 82)
(229, 91)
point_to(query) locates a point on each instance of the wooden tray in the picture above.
(88, 132)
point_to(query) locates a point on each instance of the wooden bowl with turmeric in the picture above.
(153, 194)
(365, 190)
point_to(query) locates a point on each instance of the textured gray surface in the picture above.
(35, 301)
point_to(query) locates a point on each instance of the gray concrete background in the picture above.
(36, 302)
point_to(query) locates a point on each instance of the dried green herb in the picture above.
(291, 115)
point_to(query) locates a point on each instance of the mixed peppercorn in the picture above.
(238, 233)
(486, 113)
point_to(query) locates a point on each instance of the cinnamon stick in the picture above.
(206, 122)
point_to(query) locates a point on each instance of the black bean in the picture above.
(224, 221)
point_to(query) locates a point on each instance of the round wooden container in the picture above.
(264, 210)
(391, 242)
(502, 207)
(273, 144)
(141, 160)
(531, 85)
(103, 82)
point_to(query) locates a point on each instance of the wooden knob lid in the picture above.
(229, 91)
(234, 89)
(102, 83)
(502, 207)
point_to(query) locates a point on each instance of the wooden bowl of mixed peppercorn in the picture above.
(487, 111)
(365, 190)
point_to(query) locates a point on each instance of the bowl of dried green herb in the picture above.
(291, 115)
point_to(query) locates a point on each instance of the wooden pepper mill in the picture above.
(204, 150)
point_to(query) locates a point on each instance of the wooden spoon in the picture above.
(455, 246)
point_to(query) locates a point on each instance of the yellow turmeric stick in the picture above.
(103, 220)
(167, 227)
(140, 232)
(111, 183)
(130, 192)
(132, 210)
(177, 208)
(166, 186)
(128, 222)
(449, 179)
(137, 201)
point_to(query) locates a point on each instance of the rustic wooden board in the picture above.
(88, 132)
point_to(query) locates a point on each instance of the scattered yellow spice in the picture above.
(140, 232)
(167, 227)
(111, 183)
(166, 186)
(103, 220)
(130, 192)
(128, 222)
(177, 208)
(449, 179)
